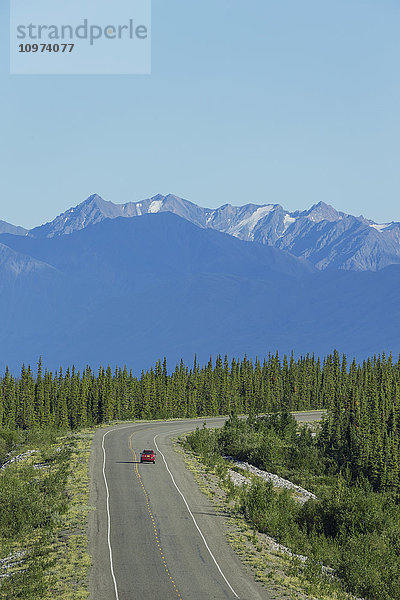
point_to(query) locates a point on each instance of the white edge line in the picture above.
(108, 509)
(194, 520)
(108, 518)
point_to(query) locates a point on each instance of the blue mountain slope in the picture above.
(161, 245)
(133, 290)
(8, 228)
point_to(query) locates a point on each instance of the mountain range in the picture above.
(325, 237)
(100, 285)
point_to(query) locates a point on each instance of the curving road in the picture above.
(154, 535)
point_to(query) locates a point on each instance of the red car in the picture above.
(148, 456)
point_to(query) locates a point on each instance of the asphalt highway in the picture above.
(153, 534)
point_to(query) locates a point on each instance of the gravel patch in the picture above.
(17, 458)
(9, 564)
(238, 479)
(302, 495)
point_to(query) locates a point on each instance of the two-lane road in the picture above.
(154, 535)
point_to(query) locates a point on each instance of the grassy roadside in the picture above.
(287, 576)
(69, 575)
(44, 503)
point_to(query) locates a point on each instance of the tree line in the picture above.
(361, 431)
(74, 399)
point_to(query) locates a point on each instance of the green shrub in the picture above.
(351, 528)
(9, 441)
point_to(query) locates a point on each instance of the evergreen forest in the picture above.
(361, 432)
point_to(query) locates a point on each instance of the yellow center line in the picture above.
(138, 475)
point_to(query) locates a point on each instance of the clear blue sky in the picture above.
(264, 101)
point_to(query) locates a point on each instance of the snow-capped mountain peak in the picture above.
(324, 236)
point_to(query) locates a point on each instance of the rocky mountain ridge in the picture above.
(327, 238)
